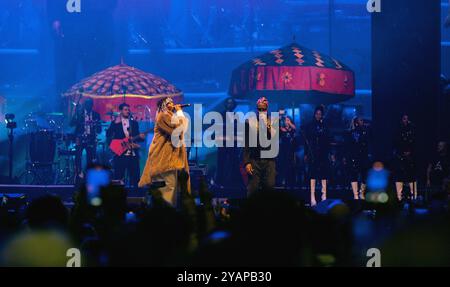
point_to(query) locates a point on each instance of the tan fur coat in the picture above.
(163, 155)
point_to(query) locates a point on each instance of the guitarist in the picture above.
(121, 128)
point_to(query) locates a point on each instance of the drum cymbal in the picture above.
(55, 114)
(115, 114)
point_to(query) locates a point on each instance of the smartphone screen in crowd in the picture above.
(95, 180)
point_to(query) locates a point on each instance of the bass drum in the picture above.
(42, 147)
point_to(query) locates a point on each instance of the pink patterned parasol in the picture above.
(294, 75)
(122, 83)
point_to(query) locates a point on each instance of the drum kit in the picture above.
(51, 150)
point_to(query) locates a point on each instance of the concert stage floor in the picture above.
(65, 192)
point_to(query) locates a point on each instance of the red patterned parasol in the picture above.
(122, 83)
(294, 75)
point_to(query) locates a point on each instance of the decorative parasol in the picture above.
(122, 83)
(294, 75)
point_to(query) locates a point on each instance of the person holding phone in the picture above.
(167, 158)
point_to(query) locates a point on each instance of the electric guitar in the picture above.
(119, 146)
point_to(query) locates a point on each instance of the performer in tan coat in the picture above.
(167, 157)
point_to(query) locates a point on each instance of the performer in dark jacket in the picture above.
(87, 126)
(125, 127)
(261, 171)
(317, 149)
(228, 157)
(357, 156)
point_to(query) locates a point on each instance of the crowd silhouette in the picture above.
(268, 229)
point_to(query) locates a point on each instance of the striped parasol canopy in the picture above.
(122, 83)
(294, 75)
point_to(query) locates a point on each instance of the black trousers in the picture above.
(263, 178)
(91, 150)
(127, 165)
(228, 174)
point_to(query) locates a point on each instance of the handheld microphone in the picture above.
(184, 105)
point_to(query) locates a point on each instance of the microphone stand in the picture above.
(11, 125)
(130, 129)
(11, 140)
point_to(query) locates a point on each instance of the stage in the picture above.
(66, 193)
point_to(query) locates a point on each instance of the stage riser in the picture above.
(65, 192)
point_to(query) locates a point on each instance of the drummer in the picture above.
(87, 126)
